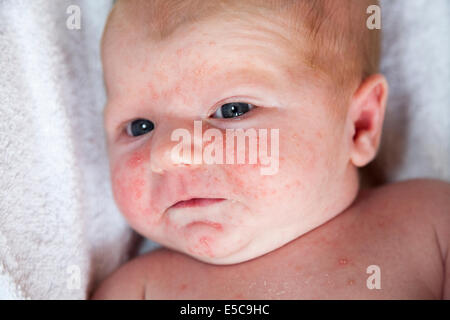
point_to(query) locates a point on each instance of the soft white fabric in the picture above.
(57, 215)
(416, 61)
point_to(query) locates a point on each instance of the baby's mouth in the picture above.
(197, 202)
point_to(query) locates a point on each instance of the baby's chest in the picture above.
(333, 277)
(369, 253)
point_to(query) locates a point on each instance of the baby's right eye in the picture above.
(139, 127)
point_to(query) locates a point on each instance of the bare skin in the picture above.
(403, 228)
(305, 232)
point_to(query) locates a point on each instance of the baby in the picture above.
(302, 75)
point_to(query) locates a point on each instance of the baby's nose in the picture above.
(174, 145)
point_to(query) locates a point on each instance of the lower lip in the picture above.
(197, 202)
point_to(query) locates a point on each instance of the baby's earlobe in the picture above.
(363, 151)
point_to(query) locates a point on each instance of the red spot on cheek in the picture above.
(122, 193)
(137, 185)
(129, 183)
(343, 261)
(131, 195)
(138, 158)
(135, 160)
(248, 181)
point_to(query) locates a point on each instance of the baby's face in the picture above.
(189, 77)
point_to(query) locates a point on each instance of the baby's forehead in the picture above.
(239, 35)
(320, 33)
(252, 35)
(159, 19)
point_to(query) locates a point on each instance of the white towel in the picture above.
(57, 216)
(416, 60)
(60, 231)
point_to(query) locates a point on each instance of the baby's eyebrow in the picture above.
(266, 77)
(257, 76)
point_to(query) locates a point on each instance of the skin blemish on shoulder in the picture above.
(183, 286)
(351, 282)
(239, 296)
(343, 261)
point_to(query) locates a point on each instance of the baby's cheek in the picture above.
(131, 187)
(295, 157)
(248, 182)
(128, 189)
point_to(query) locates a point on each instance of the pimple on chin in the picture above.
(202, 247)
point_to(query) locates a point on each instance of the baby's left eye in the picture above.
(232, 110)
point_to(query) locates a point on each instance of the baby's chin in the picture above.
(211, 245)
(226, 250)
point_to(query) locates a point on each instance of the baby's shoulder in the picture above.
(420, 199)
(130, 280)
(415, 208)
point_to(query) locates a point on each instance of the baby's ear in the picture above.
(366, 115)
